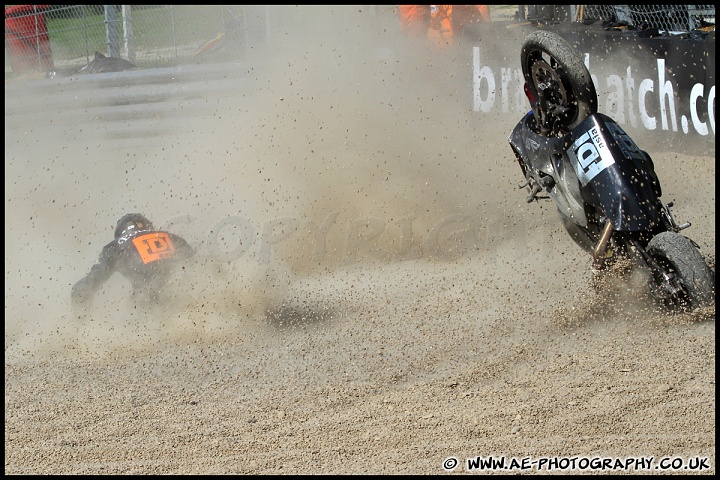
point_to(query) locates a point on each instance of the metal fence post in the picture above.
(86, 36)
(37, 35)
(111, 31)
(128, 32)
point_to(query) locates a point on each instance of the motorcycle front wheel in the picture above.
(680, 258)
(558, 79)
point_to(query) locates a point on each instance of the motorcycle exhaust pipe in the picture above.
(601, 247)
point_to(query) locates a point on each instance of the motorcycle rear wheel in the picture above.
(678, 255)
(549, 61)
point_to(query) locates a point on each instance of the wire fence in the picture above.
(671, 19)
(666, 18)
(65, 37)
(148, 35)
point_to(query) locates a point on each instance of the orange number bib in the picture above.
(154, 246)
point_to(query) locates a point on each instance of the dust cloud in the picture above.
(333, 153)
(346, 145)
(371, 294)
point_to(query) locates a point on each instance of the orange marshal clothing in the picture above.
(443, 23)
(414, 20)
(463, 15)
(440, 32)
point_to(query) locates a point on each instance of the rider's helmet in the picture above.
(132, 223)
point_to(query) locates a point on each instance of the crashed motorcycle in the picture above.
(604, 186)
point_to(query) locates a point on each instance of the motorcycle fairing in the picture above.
(546, 156)
(615, 174)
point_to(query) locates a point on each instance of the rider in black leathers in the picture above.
(141, 254)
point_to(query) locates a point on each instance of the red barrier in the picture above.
(26, 38)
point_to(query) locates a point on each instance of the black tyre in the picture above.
(679, 256)
(567, 92)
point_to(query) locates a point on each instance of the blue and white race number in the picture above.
(590, 155)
